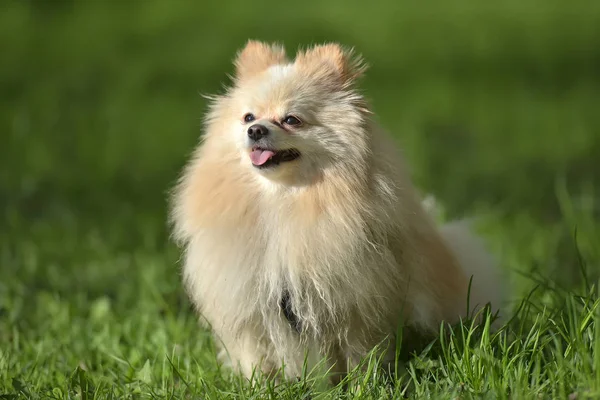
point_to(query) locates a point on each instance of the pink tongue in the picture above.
(259, 157)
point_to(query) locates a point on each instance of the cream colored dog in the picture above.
(302, 231)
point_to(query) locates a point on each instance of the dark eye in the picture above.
(249, 117)
(291, 120)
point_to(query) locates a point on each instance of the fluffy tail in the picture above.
(487, 281)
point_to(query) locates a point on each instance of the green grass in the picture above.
(495, 104)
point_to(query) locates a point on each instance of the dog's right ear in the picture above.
(258, 56)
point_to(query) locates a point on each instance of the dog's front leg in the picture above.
(247, 352)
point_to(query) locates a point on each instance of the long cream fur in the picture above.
(341, 228)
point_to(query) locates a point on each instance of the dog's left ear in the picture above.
(257, 57)
(332, 58)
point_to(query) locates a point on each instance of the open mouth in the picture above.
(265, 158)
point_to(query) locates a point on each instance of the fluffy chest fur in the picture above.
(325, 248)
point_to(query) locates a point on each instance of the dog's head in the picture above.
(292, 120)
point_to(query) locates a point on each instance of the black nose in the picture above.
(257, 131)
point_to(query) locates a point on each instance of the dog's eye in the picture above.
(291, 120)
(249, 117)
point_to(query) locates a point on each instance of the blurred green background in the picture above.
(491, 101)
(496, 104)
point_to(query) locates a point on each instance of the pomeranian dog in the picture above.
(304, 237)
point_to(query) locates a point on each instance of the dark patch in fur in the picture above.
(286, 306)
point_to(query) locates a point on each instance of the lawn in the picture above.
(495, 104)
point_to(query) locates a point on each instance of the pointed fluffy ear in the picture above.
(334, 59)
(258, 56)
